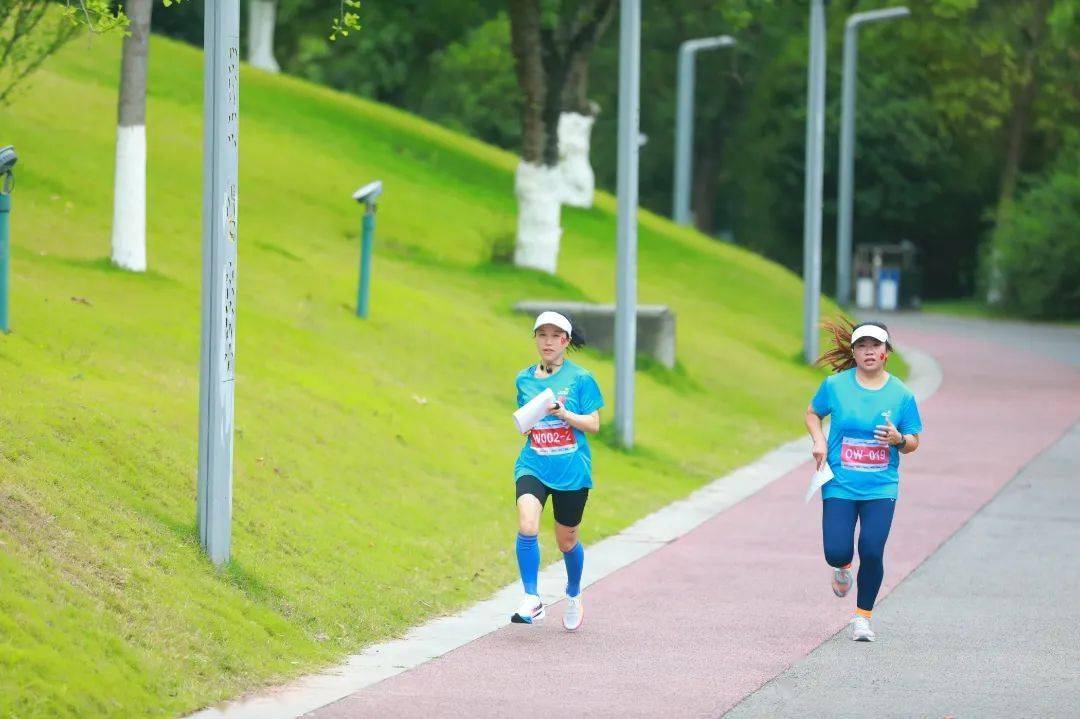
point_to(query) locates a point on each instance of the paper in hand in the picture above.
(820, 477)
(534, 410)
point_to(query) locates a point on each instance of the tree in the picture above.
(551, 41)
(129, 193)
(472, 87)
(1038, 245)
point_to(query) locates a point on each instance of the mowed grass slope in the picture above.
(373, 459)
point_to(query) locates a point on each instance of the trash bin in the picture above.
(888, 288)
(864, 292)
(878, 269)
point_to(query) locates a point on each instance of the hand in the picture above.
(888, 434)
(559, 410)
(819, 451)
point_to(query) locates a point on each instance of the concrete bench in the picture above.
(655, 326)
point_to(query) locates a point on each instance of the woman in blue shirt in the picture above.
(875, 419)
(555, 461)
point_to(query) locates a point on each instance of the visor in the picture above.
(872, 331)
(553, 318)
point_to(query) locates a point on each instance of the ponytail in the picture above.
(577, 337)
(841, 357)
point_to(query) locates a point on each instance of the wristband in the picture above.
(903, 442)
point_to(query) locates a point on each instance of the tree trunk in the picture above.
(525, 46)
(703, 195)
(544, 59)
(576, 178)
(1023, 100)
(129, 192)
(262, 17)
(575, 127)
(538, 189)
(1024, 94)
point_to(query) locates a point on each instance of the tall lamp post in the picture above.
(847, 144)
(629, 140)
(217, 368)
(815, 152)
(684, 123)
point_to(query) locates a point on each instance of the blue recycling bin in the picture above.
(888, 288)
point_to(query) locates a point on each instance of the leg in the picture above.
(531, 494)
(875, 520)
(569, 508)
(838, 530)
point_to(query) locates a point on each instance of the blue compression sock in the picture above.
(575, 562)
(528, 556)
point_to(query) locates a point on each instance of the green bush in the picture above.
(1038, 248)
(473, 88)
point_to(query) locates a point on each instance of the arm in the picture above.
(889, 434)
(912, 444)
(813, 425)
(589, 423)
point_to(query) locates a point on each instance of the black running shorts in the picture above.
(569, 505)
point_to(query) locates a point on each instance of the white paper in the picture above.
(534, 410)
(820, 477)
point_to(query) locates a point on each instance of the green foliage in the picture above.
(391, 59)
(473, 88)
(1038, 246)
(346, 20)
(30, 31)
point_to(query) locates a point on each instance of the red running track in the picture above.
(693, 628)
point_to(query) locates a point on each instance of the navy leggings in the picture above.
(838, 530)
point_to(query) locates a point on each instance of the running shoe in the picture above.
(530, 611)
(841, 581)
(860, 630)
(574, 614)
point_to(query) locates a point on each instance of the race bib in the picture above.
(549, 438)
(864, 455)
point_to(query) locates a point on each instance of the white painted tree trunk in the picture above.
(129, 199)
(261, 18)
(129, 189)
(578, 180)
(538, 189)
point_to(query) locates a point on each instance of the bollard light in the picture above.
(367, 195)
(8, 158)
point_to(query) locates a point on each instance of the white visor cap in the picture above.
(872, 331)
(553, 318)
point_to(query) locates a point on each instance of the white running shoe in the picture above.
(860, 629)
(530, 611)
(841, 581)
(574, 614)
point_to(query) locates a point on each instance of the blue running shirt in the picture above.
(556, 453)
(863, 468)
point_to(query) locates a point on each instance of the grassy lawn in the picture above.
(373, 484)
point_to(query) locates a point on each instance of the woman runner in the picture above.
(555, 462)
(875, 419)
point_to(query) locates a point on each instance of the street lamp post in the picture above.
(847, 145)
(684, 123)
(627, 191)
(815, 152)
(221, 107)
